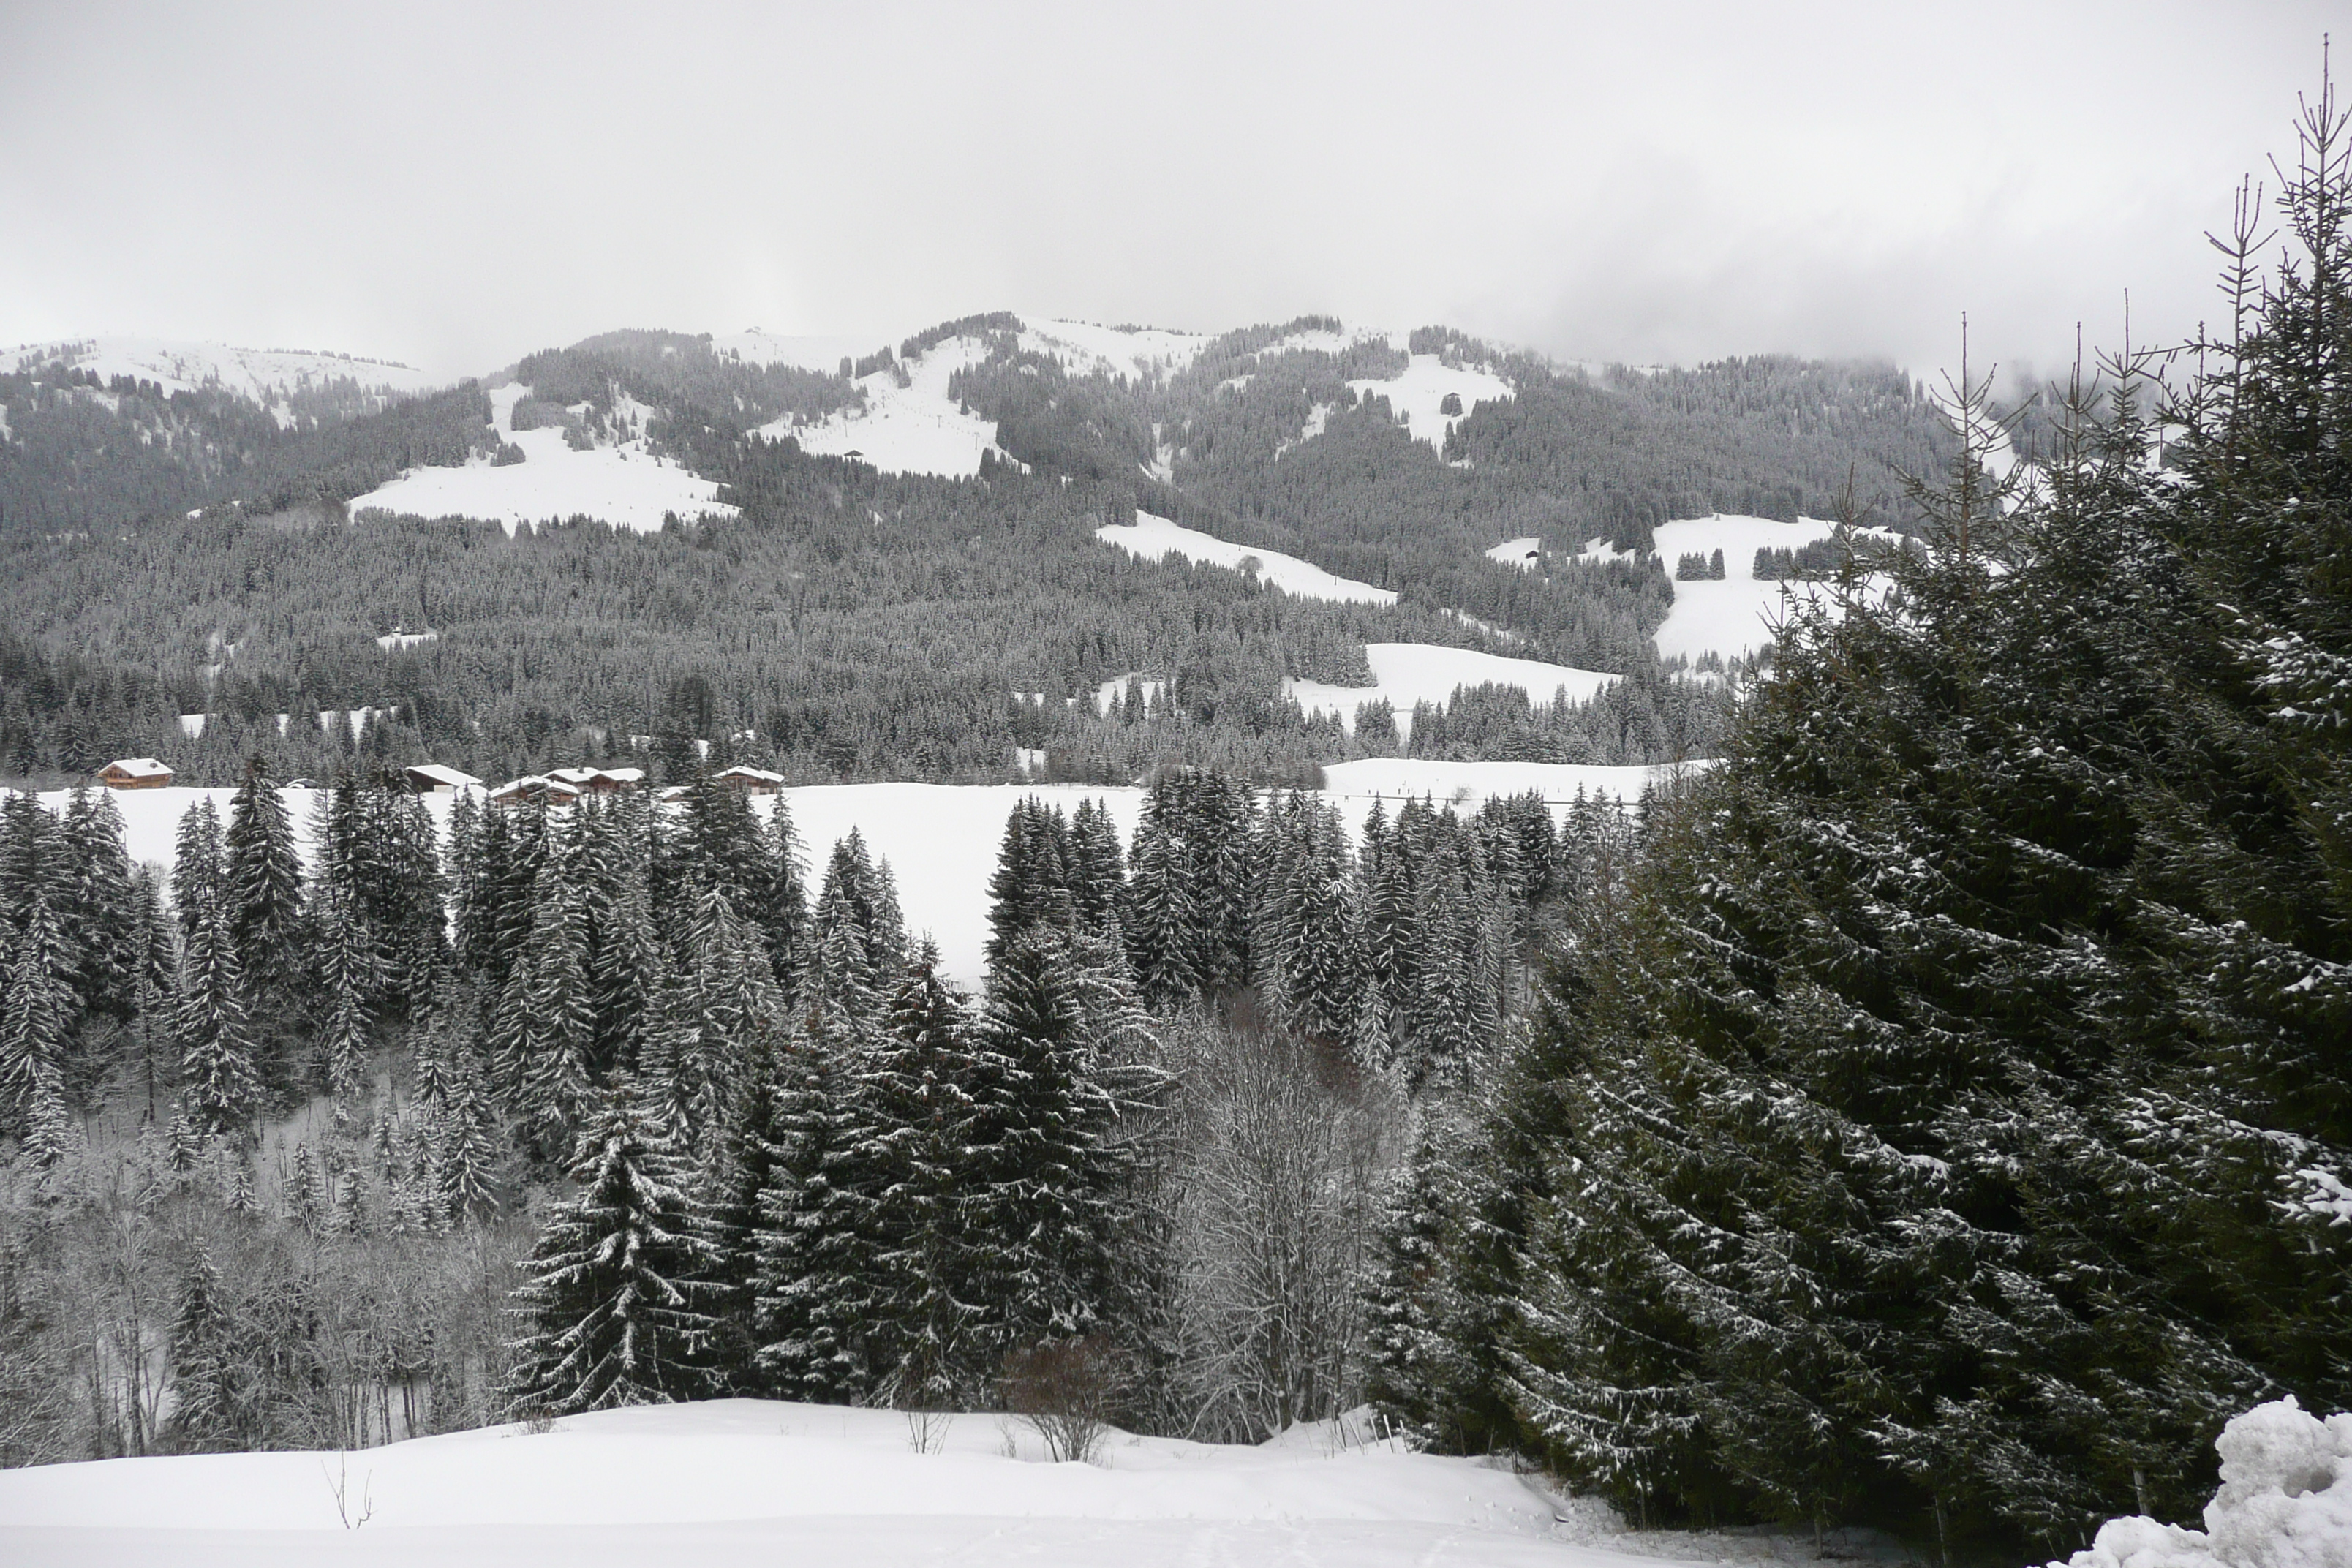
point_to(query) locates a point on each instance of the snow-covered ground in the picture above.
(809, 352)
(1733, 616)
(941, 840)
(1410, 672)
(1418, 396)
(911, 430)
(625, 485)
(1154, 538)
(1137, 353)
(1518, 553)
(2286, 1501)
(755, 1481)
(264, 375)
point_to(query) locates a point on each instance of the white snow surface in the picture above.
(823, 353)
(911, 430)
(1355, 786)
(1410, 672)
(2286, 1501)
(625, 485)
(756, 1481)
(263, 376)
(1516, 552)
(1135, 352)
(1155, 538)
(1416, 395)
(1734, 616)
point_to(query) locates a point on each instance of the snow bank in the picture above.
(1410, 672)
(1155, 538)
(2285, 1502)
(912, 429)
(625, 485)
(746, 1481)
(1418, 396)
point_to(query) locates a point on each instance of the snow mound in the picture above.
(1418, 396)
(265, 376)
(1410, 672)
(2286, 1501)
(912, 429)
(1732, 616)
(625, 485)
(1156, 538)
(742, 1481)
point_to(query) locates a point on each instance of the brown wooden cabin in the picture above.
(134, 773)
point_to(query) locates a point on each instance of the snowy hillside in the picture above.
(1137, 352)
(625, 485)
(1418, 396)
(1733, 616)
(912, 429)
(755, 1481)
(1406, 673)
(1155, 538)
(264, 375)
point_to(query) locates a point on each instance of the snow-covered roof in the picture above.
(138, 768)
(530, 785)
(754, 776)
(445, 776)
(585, 776)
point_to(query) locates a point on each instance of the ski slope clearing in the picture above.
(625, 485)
(1410, 672)
(912, 429)
(265, 376)
(1418, 396)
(1732, 618)
(820, 353)
(1139, 353)
(1157, 538)
(1519, 553)
(757, 1481)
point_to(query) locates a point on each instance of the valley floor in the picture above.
(742, 1481)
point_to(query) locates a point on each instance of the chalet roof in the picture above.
(590, 775)
(137, 767)
(533, 784)
(439, 773)
(757, 775)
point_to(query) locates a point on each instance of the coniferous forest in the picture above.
(1931, 1115)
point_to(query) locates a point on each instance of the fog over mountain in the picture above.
(1665, 183)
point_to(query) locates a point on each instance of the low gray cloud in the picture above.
(456, 187)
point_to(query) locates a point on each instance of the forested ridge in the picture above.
(190, 555)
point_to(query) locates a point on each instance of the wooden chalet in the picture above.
(134, 773)
(599, 781)
(433, 778)
(533, 789)
(750, 781)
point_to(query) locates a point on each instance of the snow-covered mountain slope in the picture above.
(1137, 352)
(822, 353)
(1418, 396)
(1408, 672)
(625, 485)
(1733, 616)
(1156, 538)
(755, 1481)
(912, 429)
(264, 375)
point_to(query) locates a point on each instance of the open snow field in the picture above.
(1410, 672)
(755, 1481)
(263, 376)
(1418, 396)
(911, 430)
(1137, 353)
(625, 485)
(941, 840)
(1733, 616)
(1156, 538)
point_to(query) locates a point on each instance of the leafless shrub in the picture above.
(1065, 1391)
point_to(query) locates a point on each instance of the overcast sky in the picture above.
(455, 187)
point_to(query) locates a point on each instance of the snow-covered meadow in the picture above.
(912, 429)
(1151, 538)
(941, 840)
(626, 485)
(754, 1482)
(1405, 673)
(1733, 615)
